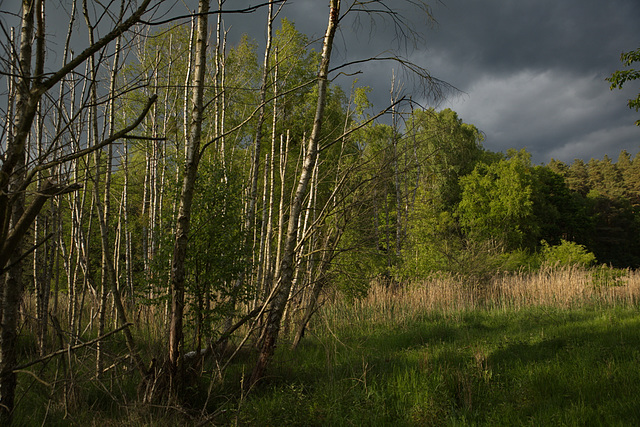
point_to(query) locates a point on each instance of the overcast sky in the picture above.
(533, 72)
(530, 72)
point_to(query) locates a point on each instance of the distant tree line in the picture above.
(607, 194)
(451, 205)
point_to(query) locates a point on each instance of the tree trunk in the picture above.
(277, 305)
(13, 286)
(40, 277)
(108, 269)
(268, 264)
(186, 199)
(249, 225)
(255, 170)
(300, 256)
(396, 171)
(284, 154)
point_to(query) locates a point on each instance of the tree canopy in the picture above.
(620, 77)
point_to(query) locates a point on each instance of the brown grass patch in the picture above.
(561, 287)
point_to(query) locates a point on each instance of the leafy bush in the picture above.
(566, 254)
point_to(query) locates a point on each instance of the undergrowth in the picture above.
(554, 347)
(532, 366)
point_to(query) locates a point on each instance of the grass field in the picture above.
(554, 347)
(534, 366)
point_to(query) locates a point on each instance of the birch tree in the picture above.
(186, 195)
(17, 213)
(279, 301)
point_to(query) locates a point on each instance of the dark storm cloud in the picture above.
(531, 72)
(498, 36)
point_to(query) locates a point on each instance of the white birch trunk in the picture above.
(186, 199)
(277, 305)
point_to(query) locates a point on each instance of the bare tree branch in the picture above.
(249, 9)
(72, 348)
(118, 135)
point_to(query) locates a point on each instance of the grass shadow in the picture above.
(536, 366)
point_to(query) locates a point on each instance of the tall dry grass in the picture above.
(552, 286)
(566, 287)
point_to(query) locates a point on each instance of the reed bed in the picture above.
(566, 287)
(550, 286)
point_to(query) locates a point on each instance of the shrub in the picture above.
(567, 254)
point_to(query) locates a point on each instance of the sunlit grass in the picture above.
(500, 367)
(553, 348)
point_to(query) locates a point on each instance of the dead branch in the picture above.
(72, 348)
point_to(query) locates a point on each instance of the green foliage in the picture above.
(447, 149)
(435, 243)
(216, 255)
(605, 276)
(297, 67)
(507, 207)
(497, 201)
(605, 178)
(442, 149)
(516, 260)
(364, 212)
(566, 254)
(559, 212)
(616, 225)
(619, 78)
(604, 202)
(438, 244)
(242, 79)
(359, 261)
(577, 177)
(631, 177)
(361, 100)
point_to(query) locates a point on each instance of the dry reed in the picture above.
(551, 286)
